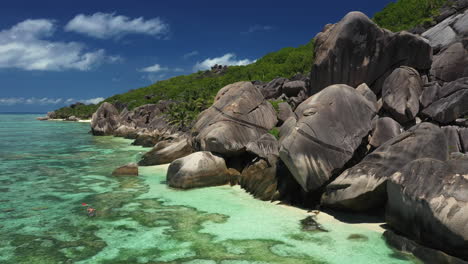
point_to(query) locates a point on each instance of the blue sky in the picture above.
(55, 52)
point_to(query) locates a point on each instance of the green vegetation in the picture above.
(407, 14)
(275, 132)
(195, 92)
(80, 111)
(275, 104)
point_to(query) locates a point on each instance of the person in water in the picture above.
(91, 211)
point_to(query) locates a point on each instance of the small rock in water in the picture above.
(357, 237)
(310, 224)
(126, 170)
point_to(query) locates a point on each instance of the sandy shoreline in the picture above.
(80, 121)
(361, 221)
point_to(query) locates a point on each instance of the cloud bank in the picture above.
(227, 59)
(109, 25)
(46, 101)
(25, 46)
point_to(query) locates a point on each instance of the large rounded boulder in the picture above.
(239, 115)
(450, 63)
(362, 187)
(199, 169)
(330, 127)
(105, 120)
(356, 51)
(400, 93)
(428, 202)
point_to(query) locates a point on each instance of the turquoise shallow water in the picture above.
(47, 169)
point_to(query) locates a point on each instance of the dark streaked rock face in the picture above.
(166, 151)
(400, 93)
(199, 169)
(272, 89)
(451, 102)
(105, 120)
(126, 170)
(331, 126)
(239, 115)
(259, 179)
(356, 51)
(428, 202)
(384, 129)
(293, 88)
(362, 187)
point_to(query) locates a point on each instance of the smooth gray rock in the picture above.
(365, 91)
(428, 202)
(356, 51)
(239, 115)
(331, 126)
(362, 187)
(447, 31)
(166, 151)
(105, 120)
(284, 112)
(293, 88)
(451, 104)
(199, 169)
(400, 94)
(453, 139)
(429, 94)
(383, 130)
(126, 131)
(451, 63)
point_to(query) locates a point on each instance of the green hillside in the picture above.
(195, 92)
(407, 14)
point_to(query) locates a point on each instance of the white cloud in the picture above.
(227, 59)
(24, 46)
(96, 100)
(32, 100)
(154, 68)
(46, 101)
(256, 28)
(190, 54)
(110, 25)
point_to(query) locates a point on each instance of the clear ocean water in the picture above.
(48, 169)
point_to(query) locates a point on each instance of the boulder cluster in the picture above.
(380, 124)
